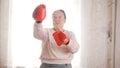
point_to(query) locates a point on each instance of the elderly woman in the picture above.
(58, 44)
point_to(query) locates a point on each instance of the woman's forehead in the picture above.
(58, 13)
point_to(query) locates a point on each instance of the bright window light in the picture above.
(25, 48)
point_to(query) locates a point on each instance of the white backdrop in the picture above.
(25, 48)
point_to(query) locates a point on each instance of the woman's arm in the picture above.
(40, 32)
(73, 45)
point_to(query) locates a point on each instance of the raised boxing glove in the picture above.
(60, 38)
(39, 13)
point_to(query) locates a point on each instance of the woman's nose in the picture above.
(57, 18)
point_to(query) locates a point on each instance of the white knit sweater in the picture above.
(51, 52)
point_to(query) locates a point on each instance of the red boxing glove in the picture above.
(63, 38)
(60, 38)
(39, 13)
(57, 38)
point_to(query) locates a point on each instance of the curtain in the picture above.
(117, 36)
(98, 21)
(4, 29)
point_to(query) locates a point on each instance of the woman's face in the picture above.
(58, 19)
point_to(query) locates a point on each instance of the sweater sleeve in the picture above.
(39, 32)
(73, 45)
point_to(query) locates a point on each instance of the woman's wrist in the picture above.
(38, 21)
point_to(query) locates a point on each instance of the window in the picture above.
(25, 48)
